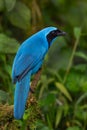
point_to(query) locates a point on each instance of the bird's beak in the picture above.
(61, 33)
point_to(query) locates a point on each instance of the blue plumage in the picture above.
(28, 60)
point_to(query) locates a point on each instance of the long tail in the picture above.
(21, 94)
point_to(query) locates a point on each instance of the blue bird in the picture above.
(28, 61)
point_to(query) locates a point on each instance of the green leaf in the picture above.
(73, 82)
(58, 116)
(9, 4)
(73, 128)
(77, 32)
(41, 126)
(20, 16)
(49, 122)
(77, 122)
(84, 86)
(62, 88)
(43, 80)
(82, 55)
(81, 114)
(25, 116)
(45, 128)
(81, 98)
(80, 67)
(8, 69)
(7, 44)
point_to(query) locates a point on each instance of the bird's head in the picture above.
(51, 33)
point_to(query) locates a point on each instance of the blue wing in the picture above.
(24, 62)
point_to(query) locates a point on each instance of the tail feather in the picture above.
(21, 94)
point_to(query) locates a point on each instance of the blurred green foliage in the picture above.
(62, 90)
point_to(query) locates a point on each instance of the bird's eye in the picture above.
(53, 32)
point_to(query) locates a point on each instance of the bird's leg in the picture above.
(35, 81)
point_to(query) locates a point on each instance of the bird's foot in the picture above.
(31, 90)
